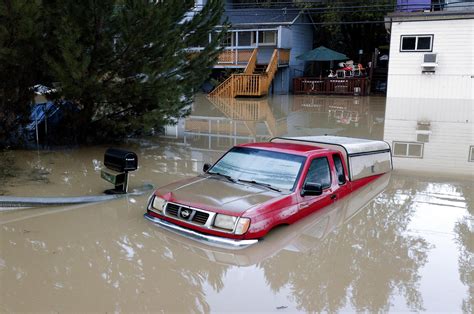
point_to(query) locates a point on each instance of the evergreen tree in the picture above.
(124, 64)
(20, 61)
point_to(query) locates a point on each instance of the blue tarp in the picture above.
(39, 112)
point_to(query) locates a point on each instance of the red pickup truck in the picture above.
(256, 187)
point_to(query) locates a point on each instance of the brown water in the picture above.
(403, 243)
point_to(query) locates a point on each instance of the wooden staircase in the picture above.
(255, 81)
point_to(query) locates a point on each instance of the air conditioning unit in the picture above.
(429, 63)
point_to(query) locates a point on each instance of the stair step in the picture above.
(260, 68)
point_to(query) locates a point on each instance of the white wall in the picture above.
(453, 43)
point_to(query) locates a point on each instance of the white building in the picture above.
(430, 94)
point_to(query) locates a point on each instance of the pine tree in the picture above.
(124, 64)
(20, 64)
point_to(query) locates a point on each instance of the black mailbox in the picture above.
(118, 163)
(120, 160)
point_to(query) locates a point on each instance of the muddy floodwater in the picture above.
(403, 243)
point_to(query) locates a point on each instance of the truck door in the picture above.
(342, 186)
(319, 173)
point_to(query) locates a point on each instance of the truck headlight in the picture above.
(225, 221)
(242, 226)
(157, 204)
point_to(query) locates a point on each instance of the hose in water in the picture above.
(18, 202)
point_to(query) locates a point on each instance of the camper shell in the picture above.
(364, 158)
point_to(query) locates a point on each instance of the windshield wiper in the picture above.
(223, 175)
(261, 184)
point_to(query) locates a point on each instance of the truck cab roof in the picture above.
(288, 148)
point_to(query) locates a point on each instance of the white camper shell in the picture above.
(364, 158)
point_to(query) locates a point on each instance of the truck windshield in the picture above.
(279, 170)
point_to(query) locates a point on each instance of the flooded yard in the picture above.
(403, 243)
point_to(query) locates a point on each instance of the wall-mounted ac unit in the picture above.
(429, 63)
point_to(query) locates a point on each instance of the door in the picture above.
(340, 177)
(319, 172)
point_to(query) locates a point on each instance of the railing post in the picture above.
(232, 85)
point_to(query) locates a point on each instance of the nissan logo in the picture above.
(185, 213)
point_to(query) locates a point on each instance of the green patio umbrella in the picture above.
(322, 54)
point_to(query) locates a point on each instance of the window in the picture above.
(339, 169)
(471, 154)
(416, 43)
(267, 37)
(407, 149)
(229, 39)
(245, 38)
(425, 138)
(279, 170)
(319, 172)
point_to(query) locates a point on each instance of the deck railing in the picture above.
(283, 56)
(225, 89)
(247, 84)
(244, 56)
(335, 86)
(234, 56)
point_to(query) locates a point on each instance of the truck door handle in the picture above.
(333, 197)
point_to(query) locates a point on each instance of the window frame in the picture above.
(335, 168)
(329, 168)
(416, 43)
(261, 32)
(408, 149)
(471, 154)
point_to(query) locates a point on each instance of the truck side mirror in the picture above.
(311, 188)
(206, 167)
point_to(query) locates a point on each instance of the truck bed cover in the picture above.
(363, 157)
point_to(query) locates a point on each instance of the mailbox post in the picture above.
(118, 163)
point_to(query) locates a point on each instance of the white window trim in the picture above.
(275, 38)
(471, 154)
(408, 149)
(416, 43)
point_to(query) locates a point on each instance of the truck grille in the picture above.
(196, 216)
(200, 217)
(172, 209)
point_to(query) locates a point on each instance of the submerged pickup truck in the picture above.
(256, 187)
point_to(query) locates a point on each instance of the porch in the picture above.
(331, 86)
(239, 58)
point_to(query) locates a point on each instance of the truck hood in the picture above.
(217, 194)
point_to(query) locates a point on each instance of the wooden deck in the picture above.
(250, 83)
(331, 86)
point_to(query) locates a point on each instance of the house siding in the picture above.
(453, 42)
(301, 40)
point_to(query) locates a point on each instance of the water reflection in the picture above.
(362, 265)
(117, 258)
(465, 238)
(398, 245)
(219, 123)
(431, 135)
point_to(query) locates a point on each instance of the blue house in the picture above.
(264, 43)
